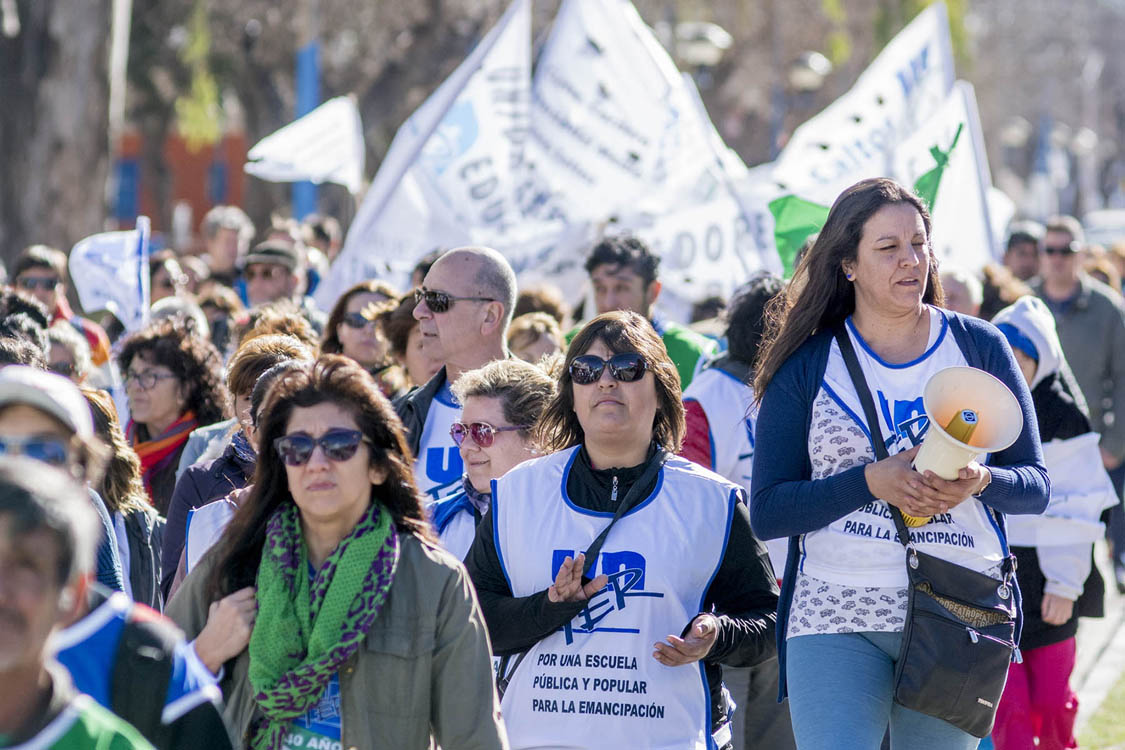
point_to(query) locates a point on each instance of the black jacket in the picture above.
(199, 485)
(413, 408)
(144, 530)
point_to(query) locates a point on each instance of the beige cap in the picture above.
(49, 393)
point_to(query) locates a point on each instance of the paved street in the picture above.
(1101, 648)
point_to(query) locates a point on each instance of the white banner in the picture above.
(946, 163)
(110, 272)
(452, 165)
(855, 136)
(326, 145)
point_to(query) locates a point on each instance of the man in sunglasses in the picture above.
(41, 271)
(1091, 323)
(463, 310)
(276, 270)
(623, 272)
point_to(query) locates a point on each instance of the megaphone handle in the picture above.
(871, 415)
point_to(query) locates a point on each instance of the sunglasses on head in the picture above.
(356, 320)
(48, 450)
(31, 283)
(482, 433)
(440, 302)
(1067, 249)
(627, 367)
(338, 445)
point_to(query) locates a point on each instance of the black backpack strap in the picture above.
(871, 415)
(142, 669)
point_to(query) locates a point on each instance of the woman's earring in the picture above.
(849, 276)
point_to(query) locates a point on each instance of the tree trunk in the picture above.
(54, 124)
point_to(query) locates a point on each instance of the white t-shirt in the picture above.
(859, 555)
(438, 466)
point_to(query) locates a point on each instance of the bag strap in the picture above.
(623, 507)
(871, 415)
(510, 663)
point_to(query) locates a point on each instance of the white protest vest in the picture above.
(862, 549)
(727, 402)
(438, 466)
(729, 405)
(594, 683)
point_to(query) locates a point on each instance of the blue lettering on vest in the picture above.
(443, 465)
(908, 418)
(625, 571)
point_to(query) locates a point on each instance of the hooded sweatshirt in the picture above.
(1080, 488)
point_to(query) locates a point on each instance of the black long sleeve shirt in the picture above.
(743, 594)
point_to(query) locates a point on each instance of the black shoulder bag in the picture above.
(959, 636)
(509, 663)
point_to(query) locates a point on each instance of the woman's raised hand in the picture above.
(568, 582)
(227, 632)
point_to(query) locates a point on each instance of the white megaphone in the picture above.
(970, 412)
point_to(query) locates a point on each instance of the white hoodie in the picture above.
(1080, 487)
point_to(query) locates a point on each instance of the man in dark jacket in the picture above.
(464, 307)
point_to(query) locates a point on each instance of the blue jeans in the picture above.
(841, 687)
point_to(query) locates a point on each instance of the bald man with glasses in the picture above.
(464, 307)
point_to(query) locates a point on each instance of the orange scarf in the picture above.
(157, 453)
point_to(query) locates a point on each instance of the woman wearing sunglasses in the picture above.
(621, 647)
(501, 402)
(353, 329)
(359, 629)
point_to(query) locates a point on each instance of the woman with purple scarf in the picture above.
(350, 624)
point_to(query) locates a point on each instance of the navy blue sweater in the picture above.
(785, 502)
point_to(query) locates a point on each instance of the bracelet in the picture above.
(987, 482)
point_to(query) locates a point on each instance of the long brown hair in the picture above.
(621, 331)
(121, 486)
(819, 294)
(331, 379)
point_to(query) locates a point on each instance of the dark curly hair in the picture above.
(333, 379)
(175, 343)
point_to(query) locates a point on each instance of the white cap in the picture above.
(49, 393)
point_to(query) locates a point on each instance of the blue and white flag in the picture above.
(110, 272)
(451, 167)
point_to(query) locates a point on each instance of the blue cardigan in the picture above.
(786, 503)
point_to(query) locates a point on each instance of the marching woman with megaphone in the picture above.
(881, 623)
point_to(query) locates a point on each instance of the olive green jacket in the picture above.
(423, 675)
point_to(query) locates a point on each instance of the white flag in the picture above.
(855, 136)
(110, 272)
(945, 162)
(326, 145)
(451, 166)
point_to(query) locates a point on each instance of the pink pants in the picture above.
(1038, 701)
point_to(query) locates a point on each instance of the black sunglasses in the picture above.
(356, 320)
(338, 445)
(440, 302)
(482, 433)
(627, 367)
(1068, 249)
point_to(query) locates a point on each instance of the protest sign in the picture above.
(110, 272)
